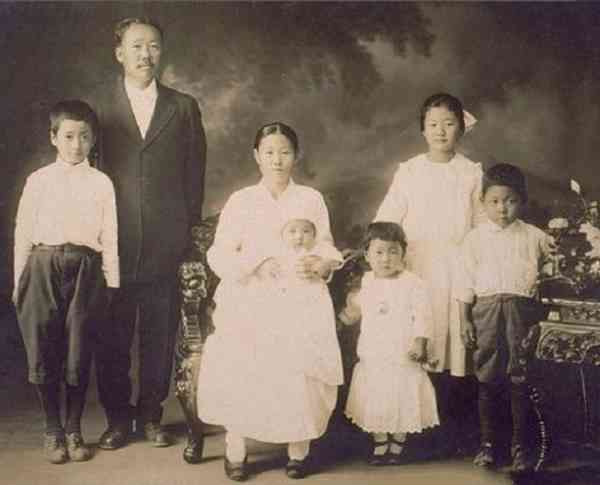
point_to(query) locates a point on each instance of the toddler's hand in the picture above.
(268, 270)
(467, 334)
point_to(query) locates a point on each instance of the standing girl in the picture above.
(435, 198)
(248, 383)
(390, 394)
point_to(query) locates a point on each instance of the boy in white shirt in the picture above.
(499, 269)
(65, 257)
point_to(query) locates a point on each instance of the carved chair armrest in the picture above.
(197, 284)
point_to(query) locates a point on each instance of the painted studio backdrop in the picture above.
(350, 77)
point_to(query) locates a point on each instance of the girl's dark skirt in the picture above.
(61, 296)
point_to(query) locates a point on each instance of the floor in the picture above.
(338, 455)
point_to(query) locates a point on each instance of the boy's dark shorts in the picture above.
(501, 324)
(61, 296)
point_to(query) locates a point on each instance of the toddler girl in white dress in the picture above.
(390, 393)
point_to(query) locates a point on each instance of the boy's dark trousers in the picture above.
(60, 299)
(502, 322)
(155, 306)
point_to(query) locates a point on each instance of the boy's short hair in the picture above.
(385, 231)
(75, 110)
(124, 24)
(506, 175)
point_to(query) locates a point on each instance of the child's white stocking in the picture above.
(235, 447)
(380, 438)
(400, 438)
(298, 450)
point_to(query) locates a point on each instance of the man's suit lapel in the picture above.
(163, 112)
(125, 113)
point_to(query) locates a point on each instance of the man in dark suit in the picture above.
(153, 147)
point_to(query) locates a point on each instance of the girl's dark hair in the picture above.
(279, 128)
(449, 102)
(506, 175)
(386, 231)
(124, 24)
(75, 110)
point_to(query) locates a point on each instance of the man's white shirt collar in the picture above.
(149, 92)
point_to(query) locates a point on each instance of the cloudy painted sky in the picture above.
(349, 76)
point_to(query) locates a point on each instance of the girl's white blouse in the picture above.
(434, 202)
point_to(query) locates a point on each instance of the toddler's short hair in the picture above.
(385, 231)
(75, 110)
(451, 103)
(506, 175)
(124, 24)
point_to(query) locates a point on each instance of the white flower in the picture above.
(592, 232)
(558, 223)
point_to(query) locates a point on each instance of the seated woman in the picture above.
(249, 382)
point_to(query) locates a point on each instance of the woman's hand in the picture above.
(269, 269)
(418, 350)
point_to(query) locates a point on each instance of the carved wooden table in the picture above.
(568, 374)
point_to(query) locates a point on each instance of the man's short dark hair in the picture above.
(124, 24)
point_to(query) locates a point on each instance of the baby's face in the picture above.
(299, 234)
(385, 258)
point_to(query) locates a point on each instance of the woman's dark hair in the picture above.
(75, 110)
(278, 128)
(385, 231)
(449, 102)
(124, 24)
(506, 175)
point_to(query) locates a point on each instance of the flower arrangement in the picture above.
(573, 271)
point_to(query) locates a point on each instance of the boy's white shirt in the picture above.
(497, 260)
(143, 102)
(63, 203)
